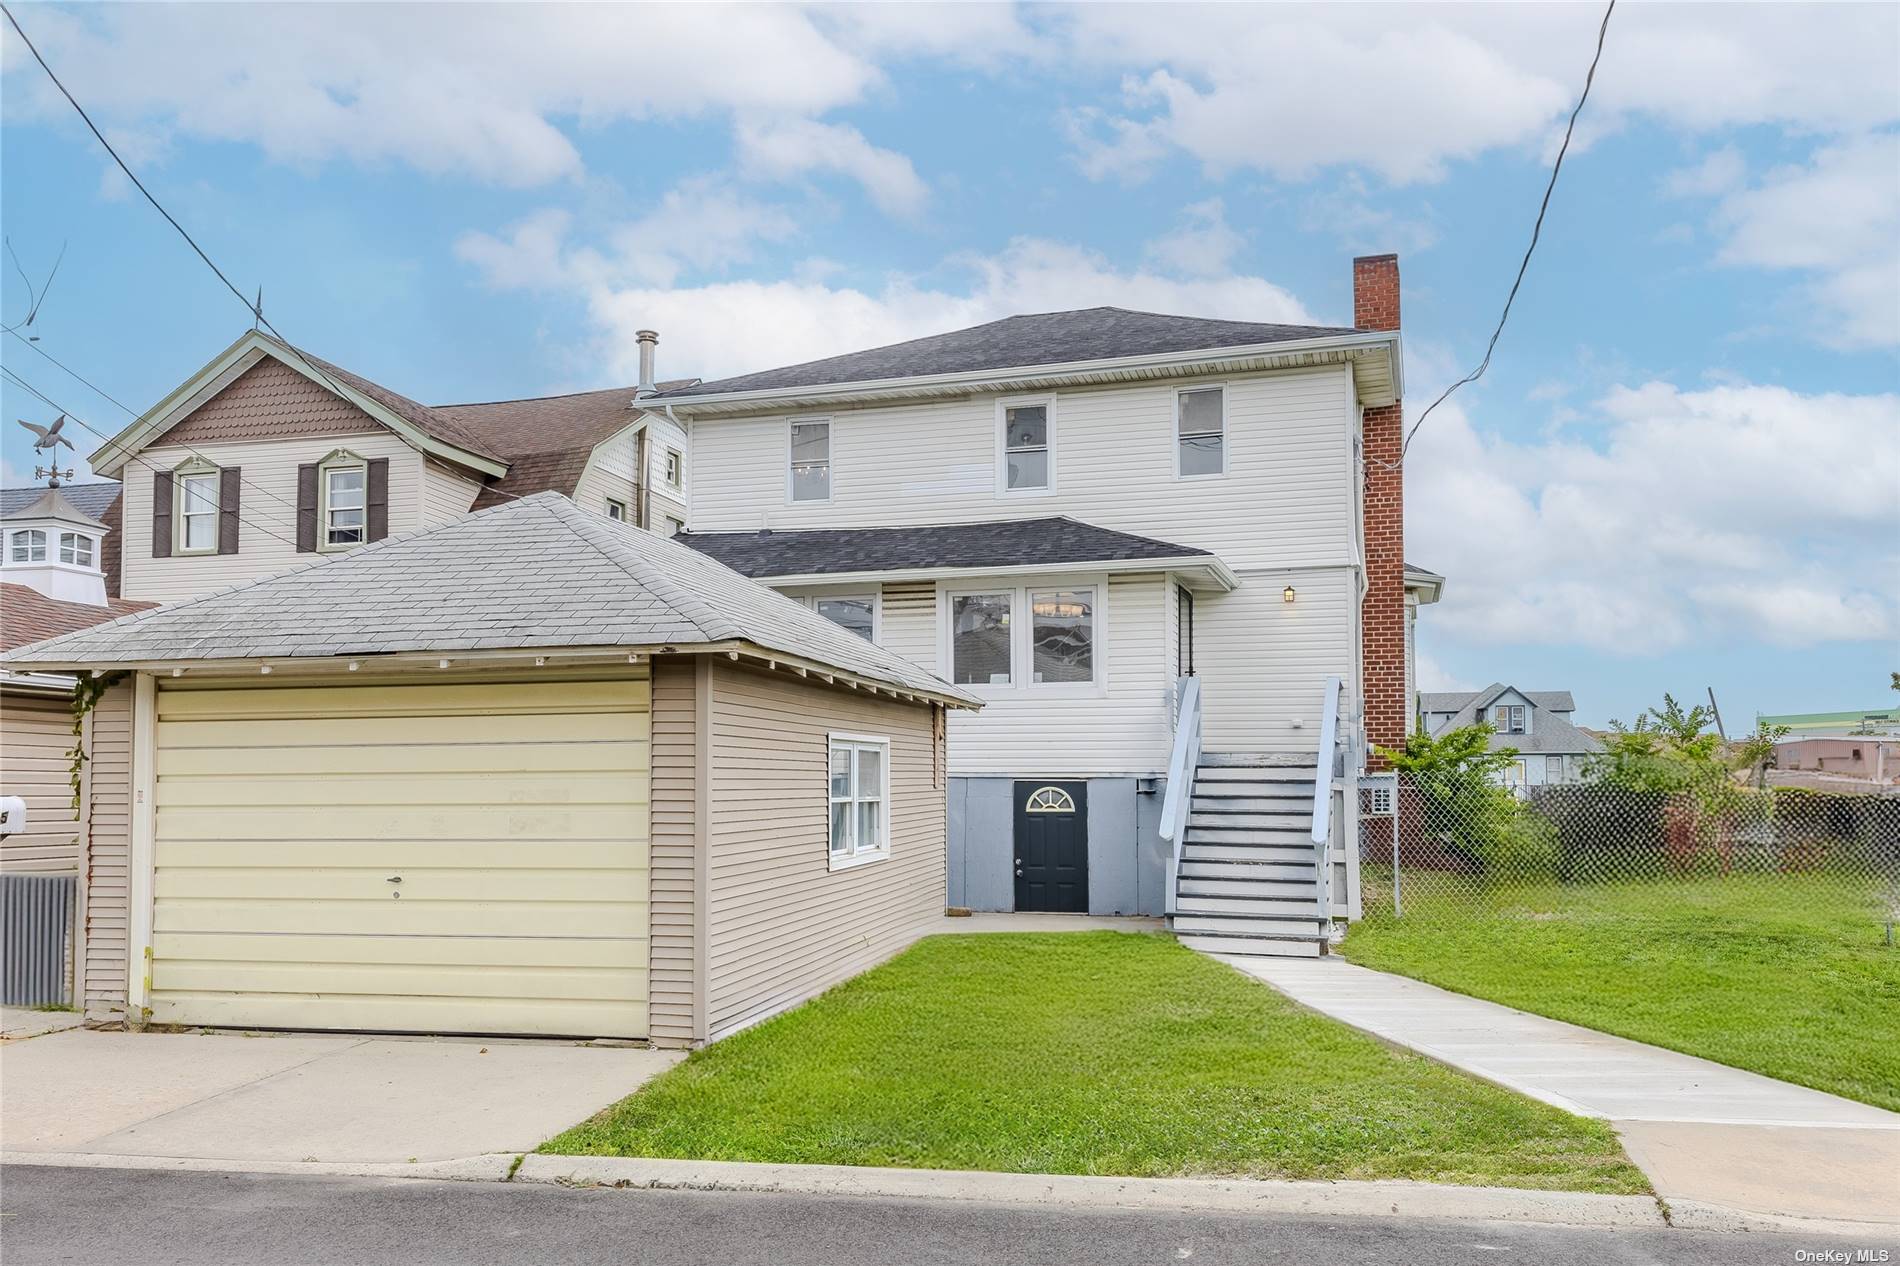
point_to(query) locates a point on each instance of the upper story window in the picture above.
(860, 799)
(197, 502)
(675, 468)
(674, 526)
(1028, 637)
(75, 548)
(344, 514)
(616, 510)
(855, 613)
(1508, 718)
(809, 475)
(28, 546)
(1200, 428)
(1028, 446)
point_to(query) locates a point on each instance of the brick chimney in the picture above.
(1375, 306)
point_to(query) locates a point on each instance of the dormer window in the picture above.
(1508, 718)
(75, 548)
(27, 546)
(344, 511)
(198, 511)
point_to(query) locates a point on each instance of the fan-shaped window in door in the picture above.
(1050, 800)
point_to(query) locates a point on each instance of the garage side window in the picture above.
(860, 799)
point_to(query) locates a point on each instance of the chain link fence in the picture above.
(1450, 848)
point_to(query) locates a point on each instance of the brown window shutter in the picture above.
(229, 484)
(307, 509)
(162, 514)
(378, 499)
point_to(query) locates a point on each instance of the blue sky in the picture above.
(1682, 471)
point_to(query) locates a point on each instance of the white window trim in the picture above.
(612, 502)
(29, 533)
(342, 459)
(91, 543)
(810, 598)
(1174, 433)
(855, 858)
(831, 461)
(1003, 406)
(1022, 636)
(195, 469)
(676, 458)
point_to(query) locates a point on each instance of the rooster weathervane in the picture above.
(47, 439)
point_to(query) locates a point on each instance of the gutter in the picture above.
(1223, 575)
(1365, 339)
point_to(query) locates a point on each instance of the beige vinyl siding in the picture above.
(403, 854)
(782, 925)
(609, 473)
(447, 495)
(1123, 728)
(268, 509)
(1263, 662)
(909, 622)
(108, 857)
(1286, 499)
(674, 904)
(36, 740)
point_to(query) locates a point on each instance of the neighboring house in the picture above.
(1536, 724)
(267, 454)
(1861, 762)
(1072, 515)
(51, 582)
(528, 772)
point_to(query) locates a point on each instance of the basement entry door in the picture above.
(461, 856)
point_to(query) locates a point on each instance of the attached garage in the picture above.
(466, 857)
(532, 772)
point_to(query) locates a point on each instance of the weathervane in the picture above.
(47, 439)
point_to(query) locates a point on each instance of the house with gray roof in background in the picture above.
(1535, 723)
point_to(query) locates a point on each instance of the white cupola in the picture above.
(53, 547)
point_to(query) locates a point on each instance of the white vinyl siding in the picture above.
(1286, 500)
(267, 506)
(1263, 661)
(447, 495)
(468, 856)
(609, 473)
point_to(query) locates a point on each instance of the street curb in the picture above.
(492, 1167)
(1697, 1215)
(1358, 1199)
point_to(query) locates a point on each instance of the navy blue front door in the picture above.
(1052, 847)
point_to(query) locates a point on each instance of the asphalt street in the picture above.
(89, 1216)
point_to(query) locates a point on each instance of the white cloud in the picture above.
(1707, 516)
(1429, 674)
(1837, 218)
(784, 149)
(1404, 91)
(1719, 171)
(1203, 246)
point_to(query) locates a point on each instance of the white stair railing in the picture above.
(1323, 775)
(1183, 761)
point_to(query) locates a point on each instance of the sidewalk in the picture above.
(1703, 1132)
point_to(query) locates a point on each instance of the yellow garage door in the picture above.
(462, 856)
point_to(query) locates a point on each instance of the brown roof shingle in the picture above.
(27, 615)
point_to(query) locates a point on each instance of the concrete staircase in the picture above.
(1247, 883)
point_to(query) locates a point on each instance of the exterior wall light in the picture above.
(1287, 594)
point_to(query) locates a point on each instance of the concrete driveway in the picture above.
(299, 1098)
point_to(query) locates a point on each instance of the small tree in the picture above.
(1455, 776)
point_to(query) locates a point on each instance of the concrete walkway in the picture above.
(18, 1023)
(238, 1097)
(1702, 1131)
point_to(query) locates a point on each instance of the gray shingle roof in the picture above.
(1458, 700)
(538, 572)
(1550, 734)
(1042, 338)
(92, 500)
(1001, 543)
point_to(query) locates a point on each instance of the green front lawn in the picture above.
(1091, 1053)
(1785, 977)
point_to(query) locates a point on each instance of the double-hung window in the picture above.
(345, 505)
(675, 468)
(1028, 446)
(616, 510)
(1028, 637)
(860, 799)
(75, 548)
(1508, 718)
(1200, 428)
(198, 513)
(28, 547)
(809, 475)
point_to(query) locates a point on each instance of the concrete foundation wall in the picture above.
(1127, 862)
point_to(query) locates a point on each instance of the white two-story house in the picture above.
(1096, 521)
